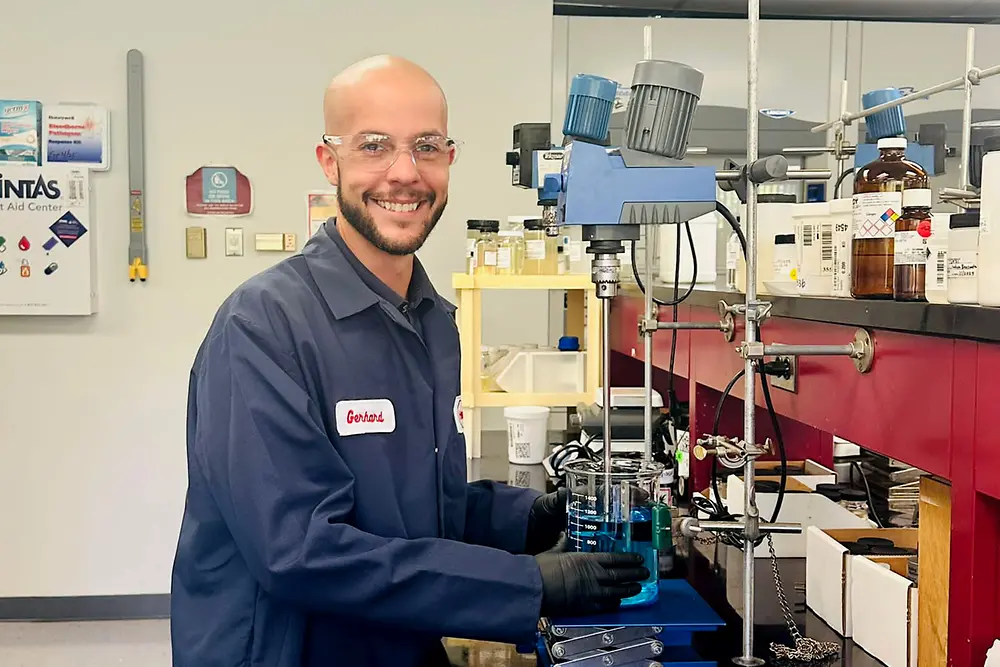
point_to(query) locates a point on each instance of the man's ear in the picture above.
(329, 164)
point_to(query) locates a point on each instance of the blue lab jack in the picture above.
(328, 518)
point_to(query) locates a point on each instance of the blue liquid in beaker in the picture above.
(590, 533)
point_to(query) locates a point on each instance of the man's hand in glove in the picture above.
(546, 520)
(578, 584)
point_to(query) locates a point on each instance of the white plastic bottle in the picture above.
(774, 216)
(814, 240)
(989, 217)
(963, 257)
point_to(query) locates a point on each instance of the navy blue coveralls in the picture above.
(328, 518)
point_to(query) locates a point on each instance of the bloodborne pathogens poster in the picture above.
(218, 191)
(77, 135)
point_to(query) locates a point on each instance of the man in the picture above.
(328, 519)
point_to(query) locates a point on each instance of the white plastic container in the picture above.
(527, 433)
(989, 239)
(963, 257)
(774, 216)
(704, 231)
(842, 218)
(814, 242)
(936, 285)
(545, 371)
(784, 266)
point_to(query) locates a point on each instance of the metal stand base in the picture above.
(748, 662)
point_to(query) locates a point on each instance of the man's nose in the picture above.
(403, 169)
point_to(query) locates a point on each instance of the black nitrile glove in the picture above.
(546, 520)
(578, 584)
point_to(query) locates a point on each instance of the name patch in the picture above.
(375, 415)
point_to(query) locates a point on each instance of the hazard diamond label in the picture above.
(875, 214)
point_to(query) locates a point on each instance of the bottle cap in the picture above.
(784, 239)
(917, 197)
(892, 142)
(569, 343)
(533, 223)
(490, 225)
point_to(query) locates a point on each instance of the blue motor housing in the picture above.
(888, 122)
(598, 187)
(588, 110)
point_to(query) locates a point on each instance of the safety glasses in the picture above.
(378, 152)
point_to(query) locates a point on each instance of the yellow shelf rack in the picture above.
(583, 320)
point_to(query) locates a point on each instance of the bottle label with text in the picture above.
(875, 214)
(962, 264)
(503, 258)
(910, 248)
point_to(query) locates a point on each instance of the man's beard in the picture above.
(361, 220)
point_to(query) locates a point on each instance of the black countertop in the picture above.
(933, 319)
(714, 570)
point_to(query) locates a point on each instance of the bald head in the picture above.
(375, 82)
(391, 165)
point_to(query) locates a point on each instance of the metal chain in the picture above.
(805, 650)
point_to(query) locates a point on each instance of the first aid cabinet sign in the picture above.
(46, 241)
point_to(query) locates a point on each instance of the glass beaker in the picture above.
(621, 518)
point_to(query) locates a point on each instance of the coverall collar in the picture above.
(341, 286)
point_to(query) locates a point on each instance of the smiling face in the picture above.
(392, 197)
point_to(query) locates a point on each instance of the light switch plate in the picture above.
(269, 242)
(234, 241)
(196, 245)
(289, 242)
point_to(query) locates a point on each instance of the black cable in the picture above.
(840, 179)
(559, 459)
(716, 509)
(781, 442)
(671, 396)
(694, 272)
(715, 431)
(868, 490)
(721, 209)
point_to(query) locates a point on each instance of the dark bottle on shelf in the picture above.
(878, 203)
(911, 250)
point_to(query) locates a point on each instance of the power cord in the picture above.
(716, 509)
(721, 209)
(694, 272)
(868, 490)
(840, 179)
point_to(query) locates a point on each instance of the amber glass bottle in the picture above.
(913, 229)
(878, 203)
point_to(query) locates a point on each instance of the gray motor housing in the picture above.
(661, 108)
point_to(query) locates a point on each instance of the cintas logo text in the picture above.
(11, 188)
